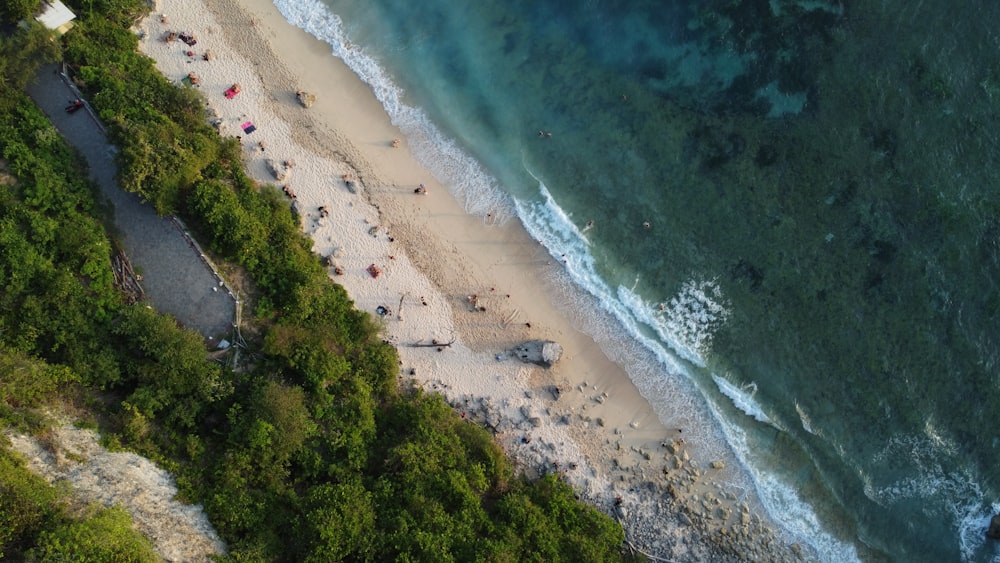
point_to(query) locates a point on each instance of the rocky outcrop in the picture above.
(305, 98)
(280, 170)
(544, 353)
(994, 530)
(74, 457)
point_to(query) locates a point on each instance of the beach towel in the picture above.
(248, 127)
(231, 92)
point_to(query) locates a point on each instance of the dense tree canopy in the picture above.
(14, 11)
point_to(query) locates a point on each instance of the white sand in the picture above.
(601, 432)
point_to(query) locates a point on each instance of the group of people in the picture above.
(187, 38)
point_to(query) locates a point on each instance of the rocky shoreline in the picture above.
(667, 501)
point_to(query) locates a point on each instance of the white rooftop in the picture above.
(56, 15)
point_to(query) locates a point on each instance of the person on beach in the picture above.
(395, 143)
(422, 190)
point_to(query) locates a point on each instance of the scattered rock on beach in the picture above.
(544, 353)
(306, 99)
(280, 170)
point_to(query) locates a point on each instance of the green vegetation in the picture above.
(13, 11)
(311, 453)
(39, 523)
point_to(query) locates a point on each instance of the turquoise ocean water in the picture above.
(821, 184)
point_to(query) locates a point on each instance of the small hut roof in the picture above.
(56, 16)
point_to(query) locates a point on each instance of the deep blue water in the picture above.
(823, 244)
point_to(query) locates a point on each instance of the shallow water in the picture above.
(823, 247)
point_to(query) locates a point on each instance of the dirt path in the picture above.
(176, 278)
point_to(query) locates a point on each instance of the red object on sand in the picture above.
(374, 270)
(232, 91)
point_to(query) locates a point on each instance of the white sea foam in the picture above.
(965, 506)
(548, 223)
(693, 316)
(972, 520)
(784, 504)
(742, 397)
(687, 322)
(804, 418)
(932, 473)
(921, 451)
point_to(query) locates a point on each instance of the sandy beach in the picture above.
(474, 283)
